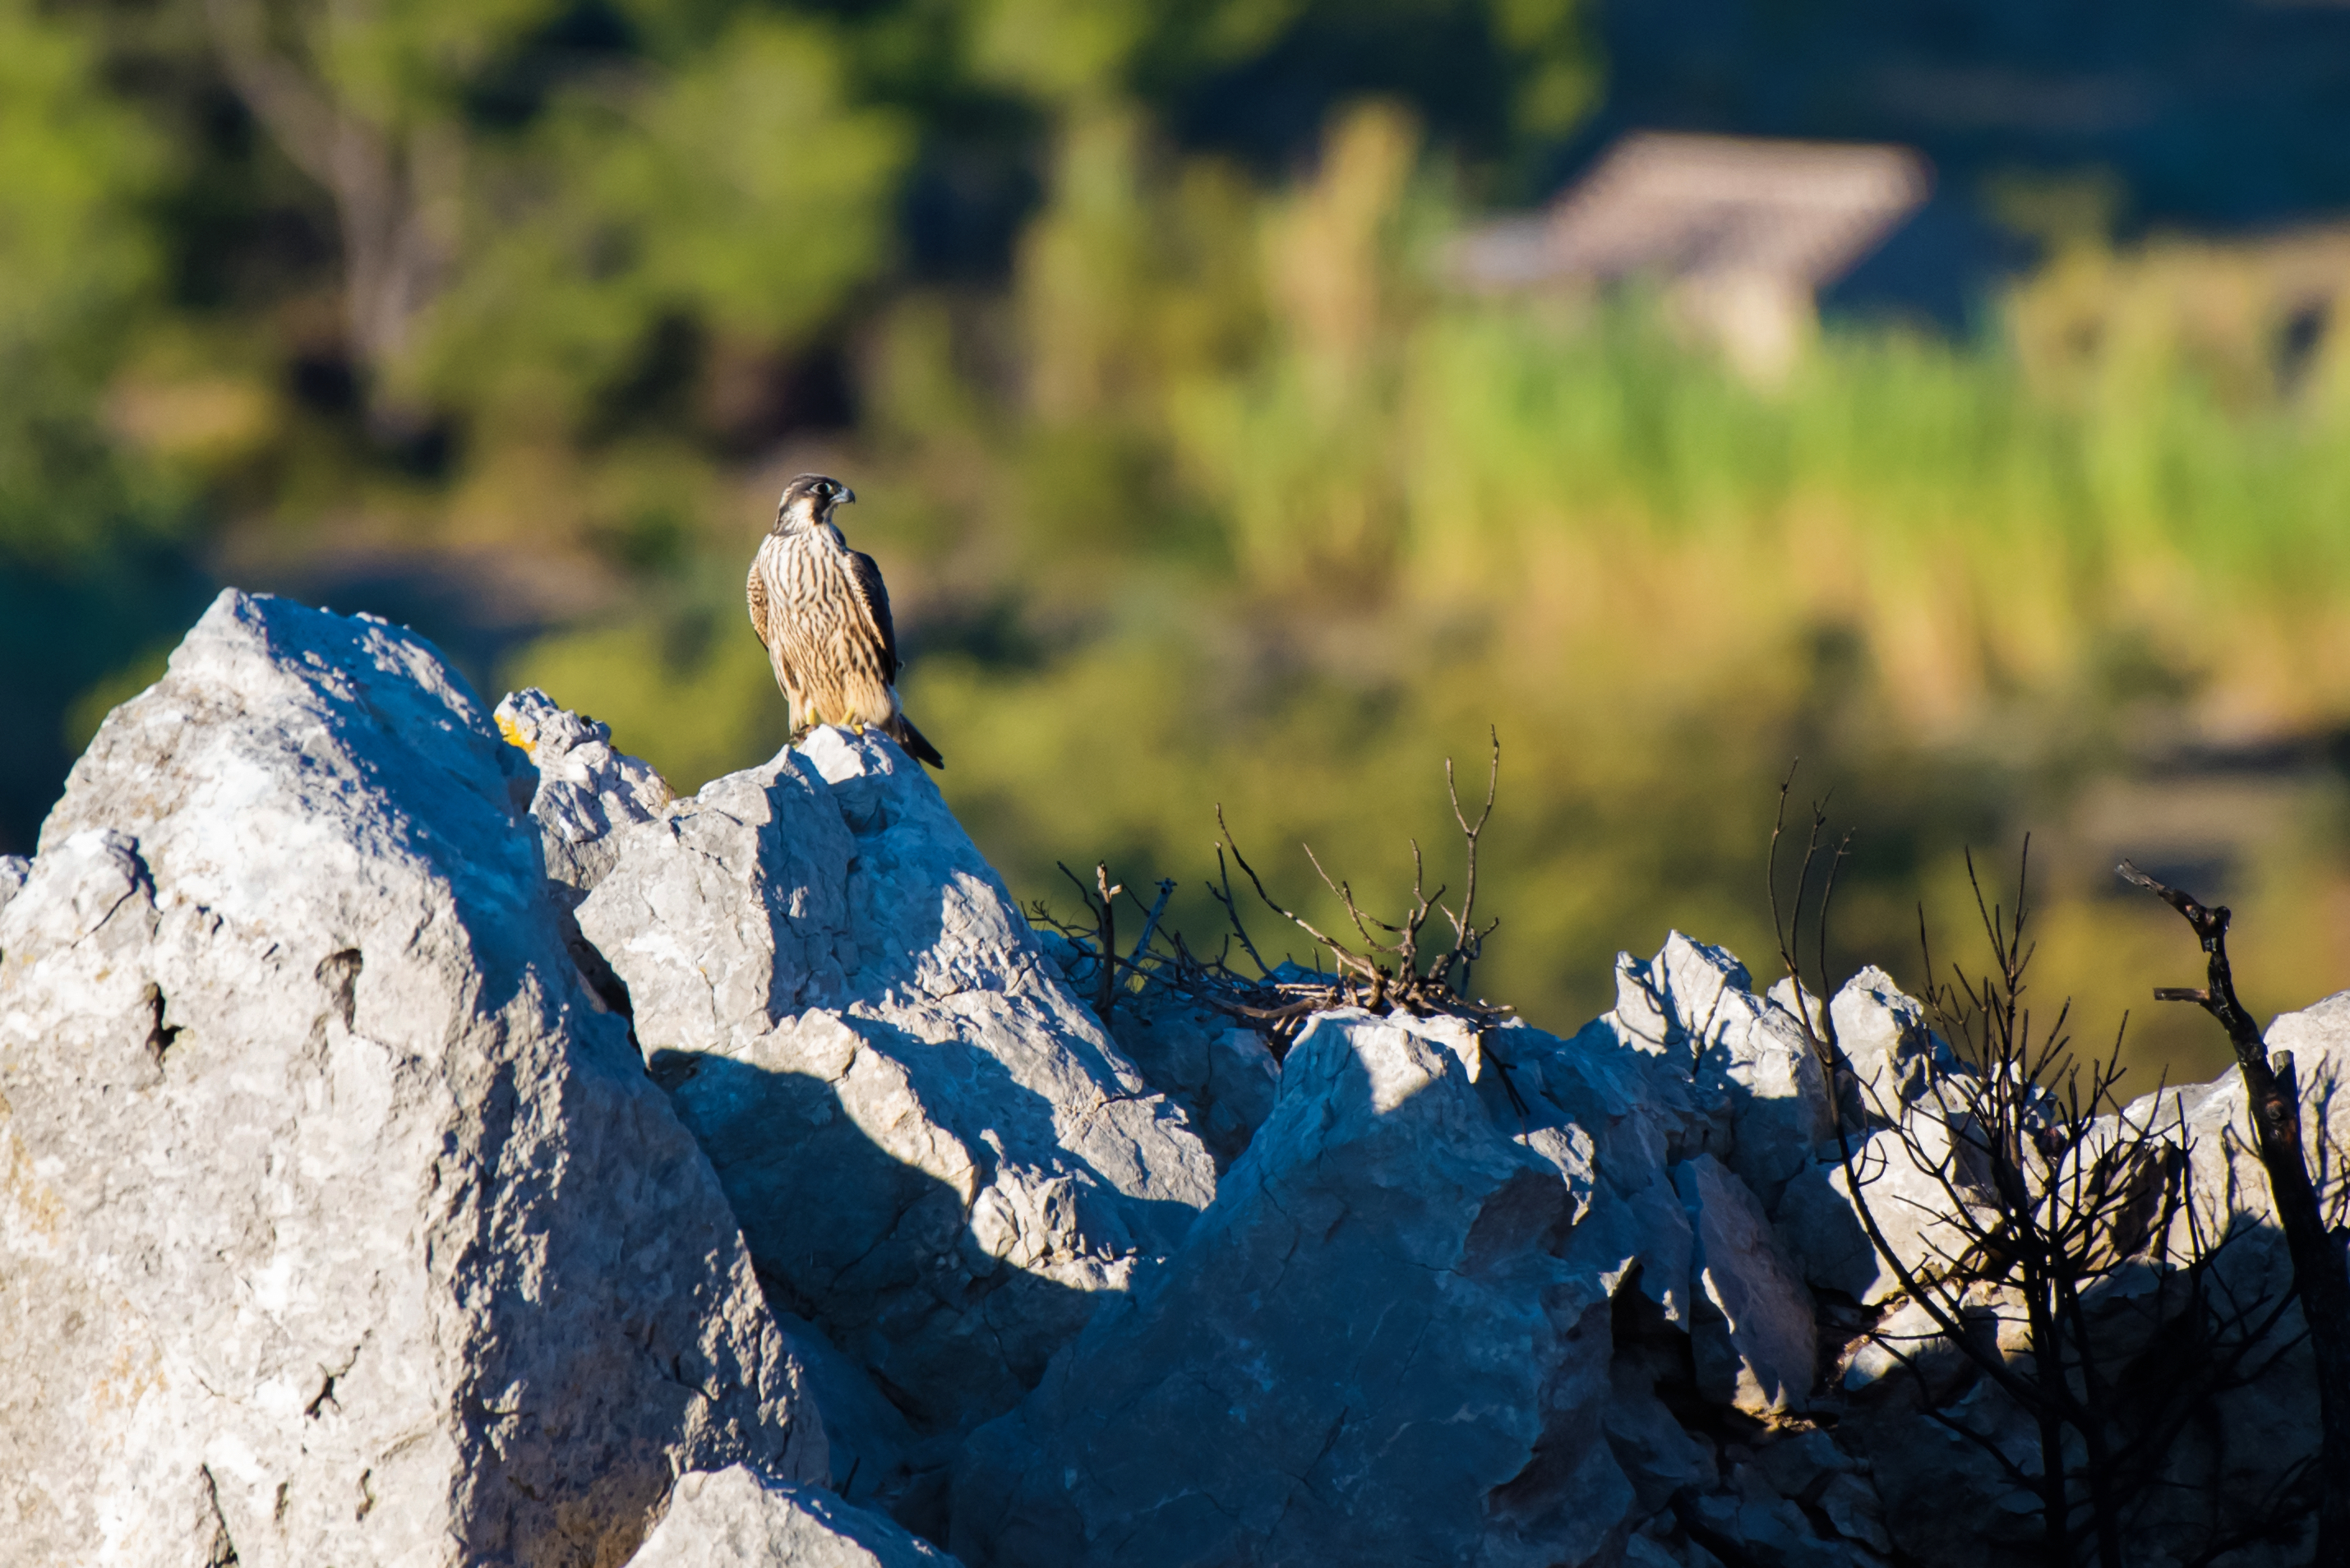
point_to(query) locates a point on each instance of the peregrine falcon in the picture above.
(821, 611)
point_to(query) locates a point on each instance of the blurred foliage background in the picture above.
(1193, 480)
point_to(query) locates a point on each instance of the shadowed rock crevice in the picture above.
(161, 1036)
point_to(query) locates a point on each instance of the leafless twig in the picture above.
(1386, 965)
(2318, 1268)
(2038, 1191)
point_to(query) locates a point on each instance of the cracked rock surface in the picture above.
(1367, 1351)
(337, 1225)
(936, 1155)
(1755, 1341)
(1224, 1077)
(406, 1136)
(1761, 1094)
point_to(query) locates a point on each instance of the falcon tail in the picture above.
(918, 746)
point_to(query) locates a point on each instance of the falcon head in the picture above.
(808, 501)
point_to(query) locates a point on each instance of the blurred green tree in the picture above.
(88, 574)
(78, 266)
(368, 100)
(515, 276)
(1193, 477)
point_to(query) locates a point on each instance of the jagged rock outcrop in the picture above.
(2195, 1189)
(737, 1517)
(337, 1223)
(1896, 1067)
(2214, 1122)
(585, 789)
(1753, 1338)
(1760, 1092)
(1903, 1180)
(1242, 1405)
(371, 1155)
(936, 1155)
(1367, 1351)
(1893, 1059)
(1458, 1301)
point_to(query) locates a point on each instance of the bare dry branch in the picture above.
(2041, 1191)
(2319, 1272)
(1385, 968)
(1150, 921)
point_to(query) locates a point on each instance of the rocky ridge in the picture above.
(424, 1138)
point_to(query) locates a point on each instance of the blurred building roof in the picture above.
(1741, 233)
(1798, 214)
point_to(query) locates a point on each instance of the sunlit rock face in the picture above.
(338, 1223)
(1368, 1350)
(1224, 1077)
(1756, 1082)
(938, 1155)
(738, 1518)
(424, 1139)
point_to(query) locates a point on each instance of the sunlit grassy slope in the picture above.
(1235, 504)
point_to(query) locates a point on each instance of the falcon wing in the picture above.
(755, 590)
(868, 577)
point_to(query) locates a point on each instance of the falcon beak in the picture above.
(846, 496)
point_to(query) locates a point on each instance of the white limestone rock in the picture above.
(1901, 1074)
(936, 1154)
(1761, 1096)
(335, 1224)
(2274, 1413)
(14, 869)
(1223, 1076)
(737, 1517)
(1881, 1031)
(2214, 1119)
(1367, 1351)
(1824, 1235)
(1609, 1117)
(729, 912)
(585, 789)
(1915, 1187)
(1754, 1337)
